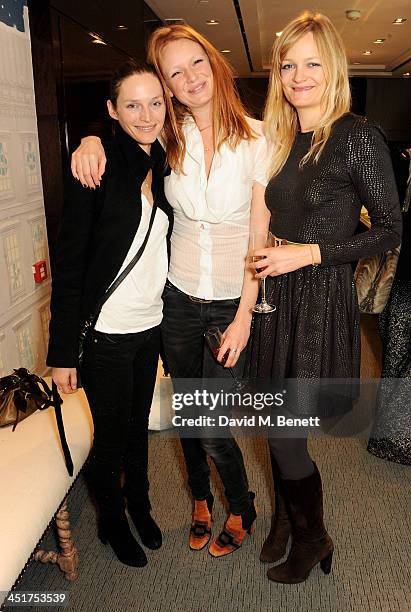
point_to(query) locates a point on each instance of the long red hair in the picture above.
(229, 115)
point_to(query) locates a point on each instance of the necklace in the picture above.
(206, 149)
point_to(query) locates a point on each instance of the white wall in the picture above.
(24, 306)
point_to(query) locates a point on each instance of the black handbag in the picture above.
(21, 394)
(90, 322)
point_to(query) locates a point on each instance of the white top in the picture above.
(136, 304)
(209, 241)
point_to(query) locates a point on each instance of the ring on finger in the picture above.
(234, 350)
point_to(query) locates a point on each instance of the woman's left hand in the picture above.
(235, 339)
(283, 259)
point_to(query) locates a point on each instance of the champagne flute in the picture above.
(261, 240)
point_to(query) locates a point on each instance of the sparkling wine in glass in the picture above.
(262, 240)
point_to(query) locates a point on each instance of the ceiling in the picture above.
(75, 21)
(245, 27)
(248, 27)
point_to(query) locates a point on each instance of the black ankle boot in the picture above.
(147, 528)
(113, 524)
(115, 530)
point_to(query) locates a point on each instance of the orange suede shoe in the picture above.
(200, 532)
(234, 531)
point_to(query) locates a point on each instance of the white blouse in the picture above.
(136, 304)
(209, 241)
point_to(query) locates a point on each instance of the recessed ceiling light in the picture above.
(407, 74)
(399, 20)
(225, 50)
(379, 41)
(212, 22)
(97, 40)
(278, 33)
(121, 27)
(368, 52)
(353, 15)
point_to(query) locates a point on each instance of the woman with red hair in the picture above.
(217, 156)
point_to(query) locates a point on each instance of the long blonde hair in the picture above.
(280, 117)
(229, 115)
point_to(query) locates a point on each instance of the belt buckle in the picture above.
(197, 300)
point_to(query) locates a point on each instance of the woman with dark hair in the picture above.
(217, 156)
(325, 164)
(101, 232)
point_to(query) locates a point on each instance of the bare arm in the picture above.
(88, 162)
(237, 333)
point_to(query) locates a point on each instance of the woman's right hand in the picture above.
(88, 162)
(65, 379)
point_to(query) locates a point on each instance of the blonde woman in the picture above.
(325, 164)
(217, 156)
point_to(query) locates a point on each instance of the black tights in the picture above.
(292, 457)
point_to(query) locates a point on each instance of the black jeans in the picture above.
(118, 375)
(183, 327)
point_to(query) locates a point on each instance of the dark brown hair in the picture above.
(126, 70)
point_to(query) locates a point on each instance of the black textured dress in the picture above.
(391, 436)
(314, 332)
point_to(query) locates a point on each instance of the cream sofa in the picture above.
(34, 483)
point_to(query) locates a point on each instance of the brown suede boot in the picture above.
(311, 542)
(275, 545)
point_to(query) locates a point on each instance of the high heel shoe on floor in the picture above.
(200, 532)
(115, 530)
(235, 529)
(311, 542)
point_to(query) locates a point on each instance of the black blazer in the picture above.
(97, 229)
